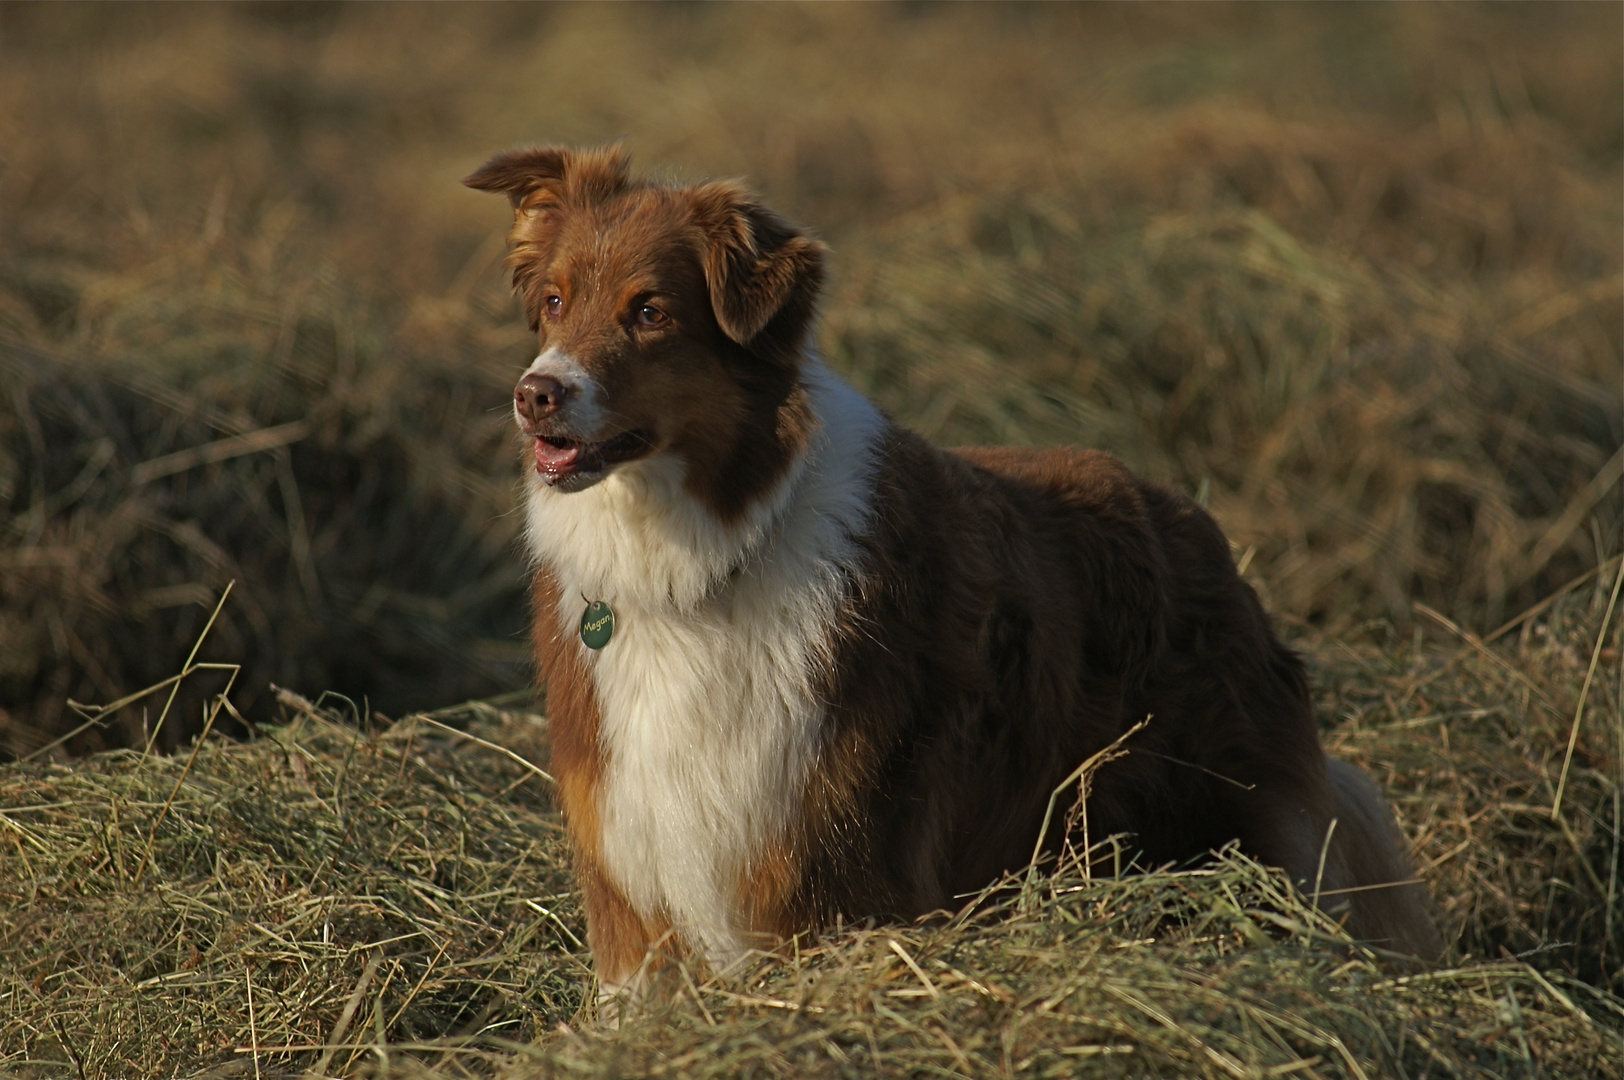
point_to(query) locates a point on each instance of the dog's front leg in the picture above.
(627, 952)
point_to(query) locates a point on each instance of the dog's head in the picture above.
(670, 320)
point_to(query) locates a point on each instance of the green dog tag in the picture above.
(597, 624)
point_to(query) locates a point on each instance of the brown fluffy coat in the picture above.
(991, 618)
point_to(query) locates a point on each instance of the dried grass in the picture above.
(394, 900)
(1223, 306)
(316, 886)
(367, 559)
(1352, 274)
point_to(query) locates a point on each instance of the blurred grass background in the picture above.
(1352, 274)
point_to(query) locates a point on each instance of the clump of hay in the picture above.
(394, 900)
(1389, 363)
(1506, 763)
(315, 887)
(356, 505)
(1220, 972)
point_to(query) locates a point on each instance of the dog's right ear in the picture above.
(517, 173)
(540, 183)
(523, 174)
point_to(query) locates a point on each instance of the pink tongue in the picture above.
(550, 458)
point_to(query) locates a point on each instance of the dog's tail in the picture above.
(1381, 900)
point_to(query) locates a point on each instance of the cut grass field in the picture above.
(394, 900)
(1353, 275)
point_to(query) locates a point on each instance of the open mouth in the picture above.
(558, 458)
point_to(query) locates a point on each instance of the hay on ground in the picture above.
(394, 900)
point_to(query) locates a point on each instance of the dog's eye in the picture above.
(651, 316)
(555, 306)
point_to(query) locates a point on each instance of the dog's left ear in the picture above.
(764, 274)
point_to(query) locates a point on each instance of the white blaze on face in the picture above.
(583, 412)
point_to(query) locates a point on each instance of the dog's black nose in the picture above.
(538, 396)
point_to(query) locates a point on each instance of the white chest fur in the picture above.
(707, 712)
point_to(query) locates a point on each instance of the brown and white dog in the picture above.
(847, 669)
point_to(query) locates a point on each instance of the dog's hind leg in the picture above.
(1336, 837)
(1385, 904)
